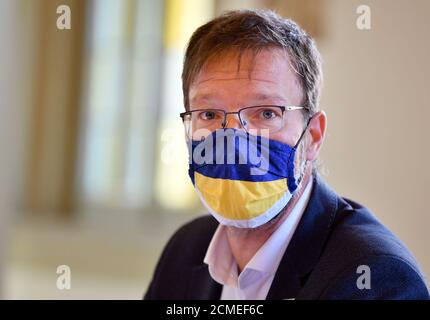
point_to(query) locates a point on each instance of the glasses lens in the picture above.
(200, 123)
(269, 118)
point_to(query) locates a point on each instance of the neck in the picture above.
(245, 242)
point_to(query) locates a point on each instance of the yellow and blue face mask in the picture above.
(242, 179)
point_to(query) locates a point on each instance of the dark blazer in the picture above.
(333, 238)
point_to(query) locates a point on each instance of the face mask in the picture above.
(242, 179)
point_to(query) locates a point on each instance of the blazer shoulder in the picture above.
(191, 240)
(377, 277)
(359, 240)
(185, 250)
(357, 233)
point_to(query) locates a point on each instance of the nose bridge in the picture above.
(232, 120)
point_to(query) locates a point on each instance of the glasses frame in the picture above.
(238, 112)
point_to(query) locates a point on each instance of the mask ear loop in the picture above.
(303, 133)
(297, 144)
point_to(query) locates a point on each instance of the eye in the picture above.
(207, 115)
(268, 114)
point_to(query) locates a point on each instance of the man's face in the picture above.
(272, 81)
(267, 79)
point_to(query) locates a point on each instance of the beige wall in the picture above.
(8, 125)
(377, 97)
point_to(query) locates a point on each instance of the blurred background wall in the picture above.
(94, 168)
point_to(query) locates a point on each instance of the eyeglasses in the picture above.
(255, 118)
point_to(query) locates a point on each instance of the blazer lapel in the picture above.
(306, 245)
(202, 286)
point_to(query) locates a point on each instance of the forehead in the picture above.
(247, 60)
(266, 73)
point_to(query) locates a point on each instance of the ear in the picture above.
(316, 129)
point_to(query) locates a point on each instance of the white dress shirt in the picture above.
(255, 280)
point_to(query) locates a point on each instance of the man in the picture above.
(251, 81)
